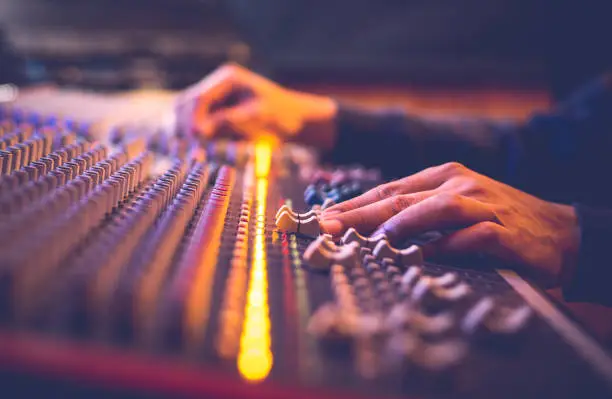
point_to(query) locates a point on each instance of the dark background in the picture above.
(115, 44)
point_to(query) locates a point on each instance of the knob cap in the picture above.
(407, 257)
(322, 254)
(286, 221)
(435, 297)
(309, 226)
(353, 235)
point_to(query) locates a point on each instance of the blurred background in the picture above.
(125, 44)
(492, 58)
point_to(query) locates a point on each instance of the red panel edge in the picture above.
(86, 362)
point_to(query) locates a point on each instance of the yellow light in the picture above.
(254, 365)
(263, 157)
(255, 358)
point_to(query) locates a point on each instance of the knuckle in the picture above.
(386, 190)
(450, 204)
(347, 206)
(472, 186)
(229, 68)
(401, 202)
(489, 233)
(453, 168)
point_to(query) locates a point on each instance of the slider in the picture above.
(303, 223)
(322, 253)
(352, 235)
(406, 257)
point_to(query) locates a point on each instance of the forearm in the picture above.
(589, 279)
(400, 143)
(554, 155)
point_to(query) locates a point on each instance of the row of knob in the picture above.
(57, 193)
(323, 253)
(325, 195)
(232, 311)
(190, 287)
(21, 189)
(16, 117)
(37, 256)
(339, 177)
(21, 147)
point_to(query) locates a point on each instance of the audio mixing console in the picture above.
(149, 268)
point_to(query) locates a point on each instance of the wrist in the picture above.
(319, 127)
(569, 242)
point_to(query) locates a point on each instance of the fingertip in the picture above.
(332, 226)
(329, 213)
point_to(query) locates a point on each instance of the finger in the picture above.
(442, 211)
(484, 237)
(193, 106)
(427, 179)
(366, 218)
(184, 117)
(214, 85)
(240, 120)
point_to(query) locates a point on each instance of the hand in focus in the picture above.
(485, 216)
(235, 102)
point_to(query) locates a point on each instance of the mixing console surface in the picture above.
(206, 275)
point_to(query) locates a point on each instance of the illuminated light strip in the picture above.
(255, 357)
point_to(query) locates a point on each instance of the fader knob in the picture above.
(352, 235)
(440, 357)
(285, 221)
(402, 316)
(474, 318)
(321, 254)
(509, 321)
(310, 226)
(410, 278)
(284, 208)
(487, 321)
(297, 216)
(406, 257)
(435, 297)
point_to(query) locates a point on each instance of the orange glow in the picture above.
(263, 158)
(255, 357)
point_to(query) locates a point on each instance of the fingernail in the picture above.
(333, 226)
(329, 213)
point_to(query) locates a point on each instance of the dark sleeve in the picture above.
(552, 155)
(401, 143)
(590, 280)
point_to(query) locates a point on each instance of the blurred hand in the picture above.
(233, 101)
(486, 216)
